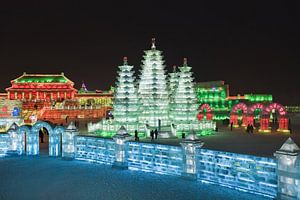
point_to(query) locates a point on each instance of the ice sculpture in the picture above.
(189, 146)
(14, 137)
(68, 144)
(288, 161)
(95, 149)
(55, 140)
(120, 138)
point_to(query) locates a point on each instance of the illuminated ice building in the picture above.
(154, 101)
(50, 97)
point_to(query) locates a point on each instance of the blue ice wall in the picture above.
(4, 144)
(250, 173)
(95, 149)
(161, 159)
(243, 172)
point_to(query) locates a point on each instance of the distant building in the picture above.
(41, 87)
(216, 95)
(53, 97)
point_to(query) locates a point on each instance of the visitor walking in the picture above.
(251, 128)
(231, 125)
(156, 134)
(152, 135)
(248, 128)
(136, 137)
(183, 135)
(290, 127)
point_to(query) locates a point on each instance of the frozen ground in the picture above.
(54, 178)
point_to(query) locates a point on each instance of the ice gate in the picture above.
(277, 177)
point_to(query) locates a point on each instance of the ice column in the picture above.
(14, 139)
(120, 138)
(288, 170)
(68, 141)
(189, 146)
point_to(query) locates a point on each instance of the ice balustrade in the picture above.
(259, 175)
(245, 172)
(4, 144)
(95, 149)
(156, 158)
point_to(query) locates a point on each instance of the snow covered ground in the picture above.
(54, 178)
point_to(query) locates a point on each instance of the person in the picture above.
(41, 135)
(231, 125)
(248, 128)
(183, 135)
(156, 133)
(152, 135)
(136, 137)
(290, 128)
(251, 128)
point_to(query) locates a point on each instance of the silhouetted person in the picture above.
(136, 137)
(231, 126)
(152, 135)
(248, 128)
(156, 134)
(251, 128)
(41, 135)
(183, 135)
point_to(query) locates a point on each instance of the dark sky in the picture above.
(253, 46)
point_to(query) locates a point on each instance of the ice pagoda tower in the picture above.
(184, 108)
(153, 90)
(155, 100)
(125, 100)
(172, 84)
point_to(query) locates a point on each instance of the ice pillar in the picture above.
(288, 170)
(14, 139)
(189, 146)
(68, 141)
(120, 139)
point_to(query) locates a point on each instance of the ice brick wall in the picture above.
(161, 159)
(245, 172)
(94, 149)
(4, 144)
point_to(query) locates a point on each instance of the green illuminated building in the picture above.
(216, 95)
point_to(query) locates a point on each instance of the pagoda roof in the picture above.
(42, 78)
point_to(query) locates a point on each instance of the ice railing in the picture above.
(245, 172)
(94, 149)
(156, 158)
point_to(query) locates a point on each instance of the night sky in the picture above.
(253, 46)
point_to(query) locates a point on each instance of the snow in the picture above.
(44, 177)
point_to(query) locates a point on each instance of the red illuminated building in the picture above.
(41, 87)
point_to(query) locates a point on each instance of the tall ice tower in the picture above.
(152, 89)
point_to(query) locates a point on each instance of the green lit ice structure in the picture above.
(155, 101)
(153, 91)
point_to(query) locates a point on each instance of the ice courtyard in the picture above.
(44, 177)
